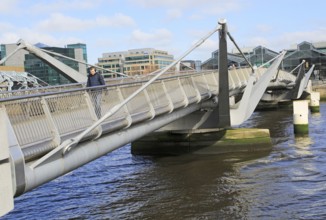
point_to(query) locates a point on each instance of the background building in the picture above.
(12, 68)
(312, 53)
(49, 74)
(212, 63)
(190, 65)
(80, 46)
(256, 56)
(136, 61)
(22, 61)
(16, 62)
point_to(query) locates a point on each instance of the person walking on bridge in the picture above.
(95, 79)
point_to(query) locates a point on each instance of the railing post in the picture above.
(185, 100)
(128, 116)
(50, 121)
(171, 106)
(151, 107)
(223, 95)
(206, 83)
(198, 96)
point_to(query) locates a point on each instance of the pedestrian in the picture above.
(95, 79)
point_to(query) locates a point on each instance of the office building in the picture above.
(49, 74)
(80, 46)
(16, 61)
(135, 62)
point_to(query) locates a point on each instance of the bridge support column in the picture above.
(314, 102)
(6, 182)
(300, 117)
(203, 141)
(223, 95)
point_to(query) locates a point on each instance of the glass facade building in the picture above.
(2, 51)
(256, 56)
(81, 46)
(259, 56)
(311, 53)
(47, 73)
(212, 63)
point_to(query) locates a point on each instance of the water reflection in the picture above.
(302, 144)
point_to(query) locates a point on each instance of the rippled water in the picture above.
(288, 182)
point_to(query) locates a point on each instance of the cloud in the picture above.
(258, 41)
(166, 3)
(263, 28)
(221, 7)
(312, 36)
(62, 23)
(159, 37)
(173, 14)
(204, 51)
(118, 20)
(286, 40)
(4, 26)
(63, 5)
(31, 36)
(9, 37)
(8, 6)
(205, 6)
(58, 22)
(191, 10)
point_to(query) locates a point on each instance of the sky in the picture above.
(171, 25)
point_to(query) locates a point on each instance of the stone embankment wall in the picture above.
(321, 88)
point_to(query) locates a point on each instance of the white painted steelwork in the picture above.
(57, 131)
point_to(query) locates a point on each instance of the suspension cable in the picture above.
(236, 45)
(303, 61)
(271, 60)
(79, 61)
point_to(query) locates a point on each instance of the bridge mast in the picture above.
(223, 95)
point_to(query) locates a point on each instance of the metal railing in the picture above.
(42, 121)
(46, 117)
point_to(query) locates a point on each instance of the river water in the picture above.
(288, 182)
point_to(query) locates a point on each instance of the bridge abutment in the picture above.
(203, 141)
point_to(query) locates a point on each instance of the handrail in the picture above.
(82, 88)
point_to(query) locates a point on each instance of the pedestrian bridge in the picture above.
(50, 131)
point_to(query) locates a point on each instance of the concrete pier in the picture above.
(314, 102)
(203, 141)
(300, 117)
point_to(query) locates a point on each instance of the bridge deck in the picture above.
(42, 121)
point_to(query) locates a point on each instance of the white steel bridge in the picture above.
(47, 132)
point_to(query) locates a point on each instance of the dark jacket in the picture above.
(95, 80)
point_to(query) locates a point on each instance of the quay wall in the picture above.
(321, 88)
